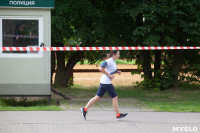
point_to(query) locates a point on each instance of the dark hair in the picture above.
(111, 54)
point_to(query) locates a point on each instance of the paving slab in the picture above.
(97, 122)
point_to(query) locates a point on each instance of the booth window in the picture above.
(20, 33)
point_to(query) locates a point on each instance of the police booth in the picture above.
(25, 23)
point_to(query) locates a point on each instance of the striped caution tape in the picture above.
(92, 48)
(20, 36)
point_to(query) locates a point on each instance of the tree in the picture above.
(128, 23)
(168, 23)
(76, 20)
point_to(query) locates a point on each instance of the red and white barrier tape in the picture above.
(91, 48)
(21, 36)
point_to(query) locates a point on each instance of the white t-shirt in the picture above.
(110, 67)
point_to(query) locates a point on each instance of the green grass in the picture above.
(126, 62)
(33, 108)
(185, 99)
(117, 61)
(78, 91)
(11, 104)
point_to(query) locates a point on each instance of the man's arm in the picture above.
(102, 69)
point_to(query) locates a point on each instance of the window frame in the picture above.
(40, 39)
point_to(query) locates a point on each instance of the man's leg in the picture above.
(92, 101)
(89, 104)
(115, 105)
(111, 90)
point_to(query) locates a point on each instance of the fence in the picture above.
(97, 70)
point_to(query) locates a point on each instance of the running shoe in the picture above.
(83, 112)
(121, 116)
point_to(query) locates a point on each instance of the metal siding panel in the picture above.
(21, 70)
(27, 76)
(25, 89)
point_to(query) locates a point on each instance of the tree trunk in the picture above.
(178, 58)
(60, 56)
(157, 64)
(145, 54)
(69, 67)
(52, 65)
(146, 65)
(176, 66)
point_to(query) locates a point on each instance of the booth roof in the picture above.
(27, 3)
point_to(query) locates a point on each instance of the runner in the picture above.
(108, 68)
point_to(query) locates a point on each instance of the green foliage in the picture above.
(132, 23)
(168, 23)
(77, 19)
(191, 68)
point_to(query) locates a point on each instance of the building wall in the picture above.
(27, 76)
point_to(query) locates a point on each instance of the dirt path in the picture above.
(125, 104)
(93, 78)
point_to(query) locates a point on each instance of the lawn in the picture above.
(184, 99)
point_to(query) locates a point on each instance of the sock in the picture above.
(85, 109)
(118, 115)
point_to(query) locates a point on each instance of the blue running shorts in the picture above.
(106, 87)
